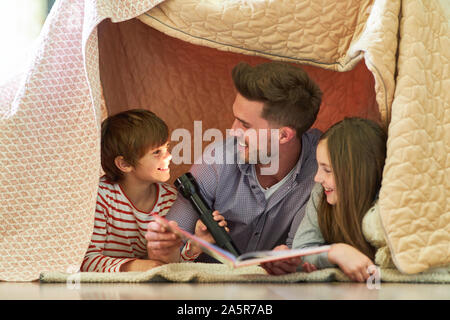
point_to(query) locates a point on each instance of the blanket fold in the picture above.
(50, 116)
(218, 273)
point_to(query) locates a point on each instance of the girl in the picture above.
(350, 158)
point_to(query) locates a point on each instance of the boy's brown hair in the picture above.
(130, 134)
(290, 97)
(357, 152)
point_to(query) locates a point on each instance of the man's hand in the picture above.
(162, 244)
(351, 261)
(202, 231)
(282, 266)
(308, 267)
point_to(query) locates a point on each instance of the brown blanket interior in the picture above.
(182, 82)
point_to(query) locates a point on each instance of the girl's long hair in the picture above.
(357, 151)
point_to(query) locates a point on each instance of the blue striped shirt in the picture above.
(255, 223)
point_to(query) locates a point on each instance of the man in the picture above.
(262, 211)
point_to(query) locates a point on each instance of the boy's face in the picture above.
(154, 165)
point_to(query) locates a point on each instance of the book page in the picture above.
(246, 259)
(257, 257)
(214, 251)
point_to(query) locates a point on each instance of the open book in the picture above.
(246, 259)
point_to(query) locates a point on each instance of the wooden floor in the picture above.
(195, 291)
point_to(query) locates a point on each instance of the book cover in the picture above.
(246, 259)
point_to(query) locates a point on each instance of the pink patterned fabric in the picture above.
(49, 151)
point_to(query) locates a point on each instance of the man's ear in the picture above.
(286, 134)
(122, 164)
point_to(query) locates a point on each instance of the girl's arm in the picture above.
(351, 261)
(308, 234)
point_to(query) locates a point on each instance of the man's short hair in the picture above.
(290, 97)
(130, 134)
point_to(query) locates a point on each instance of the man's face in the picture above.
(248, 127)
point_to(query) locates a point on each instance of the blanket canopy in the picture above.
(386, 60)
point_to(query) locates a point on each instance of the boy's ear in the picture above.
(286, 134)
(122, 164)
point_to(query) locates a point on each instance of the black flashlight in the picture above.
(188, 187)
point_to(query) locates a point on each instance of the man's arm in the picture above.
(183, 213)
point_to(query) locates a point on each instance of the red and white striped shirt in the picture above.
(120, 228)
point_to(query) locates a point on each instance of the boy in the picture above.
(135, 158)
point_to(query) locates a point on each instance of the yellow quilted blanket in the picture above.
(414, 200)
(383, 59)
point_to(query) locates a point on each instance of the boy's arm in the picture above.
(189, 252)
(140, 265)
(94, 260)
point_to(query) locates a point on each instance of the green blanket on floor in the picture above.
(216, 273)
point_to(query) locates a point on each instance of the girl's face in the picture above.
(325, 175)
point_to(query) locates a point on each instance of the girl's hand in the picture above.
(351, 261)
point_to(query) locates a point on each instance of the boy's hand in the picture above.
(202, 231)
(282, 266)
(162, 244)
(351, 261)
